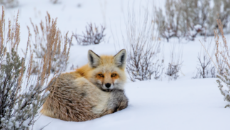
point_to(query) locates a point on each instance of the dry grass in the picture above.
(142, 45)
(222, 49)
(2, 31)
(22, 92)
(50, 47)
(223, 63)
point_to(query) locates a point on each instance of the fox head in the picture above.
(107, 72)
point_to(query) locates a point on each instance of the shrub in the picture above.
(221, 11)
(9, 3)
(175, 63)
(187, 19)
(142, 63)
(49, 37)
(21, 93)
(92, 36)
(143, 50)
(223, 63)
(54, 1)
(170, 24)
(205, 67)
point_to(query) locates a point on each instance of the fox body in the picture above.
(94, 90)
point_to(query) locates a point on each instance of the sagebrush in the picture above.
(144, 61)
(92, 36)
(223, 63)
(205, 67)
(21, 93)
(9, 3)
(47, 37)
(175, 62)
(189, 18)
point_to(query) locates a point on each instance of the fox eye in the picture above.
(113, 75)
(101, 75)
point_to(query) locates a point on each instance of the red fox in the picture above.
(94, 90)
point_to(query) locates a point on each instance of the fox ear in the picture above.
(93, 59)
(120, 58)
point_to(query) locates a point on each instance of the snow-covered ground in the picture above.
(184, 104)
(155, 105)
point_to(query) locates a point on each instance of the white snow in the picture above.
(184, 104)
(156, 105)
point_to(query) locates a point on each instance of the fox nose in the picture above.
(107, 85)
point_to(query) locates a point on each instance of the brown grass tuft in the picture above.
(22, 91)
(223, 59)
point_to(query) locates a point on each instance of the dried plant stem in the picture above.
(22, 92)
(208, 54)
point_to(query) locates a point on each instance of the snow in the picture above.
(184, 104)
(194, 104)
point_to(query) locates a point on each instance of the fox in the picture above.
(91, 91)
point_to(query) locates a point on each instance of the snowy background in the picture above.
(183, 104)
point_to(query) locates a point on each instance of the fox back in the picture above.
(94, 90)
